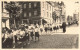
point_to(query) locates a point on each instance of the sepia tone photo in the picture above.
(40, 24)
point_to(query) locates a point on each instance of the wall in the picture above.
(46, 11)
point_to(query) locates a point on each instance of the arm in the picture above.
(4, 40)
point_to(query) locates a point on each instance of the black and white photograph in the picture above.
(40, 24)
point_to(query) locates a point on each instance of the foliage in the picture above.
(13, 8)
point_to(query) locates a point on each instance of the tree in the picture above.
(14, 10)
(54, 15)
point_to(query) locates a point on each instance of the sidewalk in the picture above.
(69, 30)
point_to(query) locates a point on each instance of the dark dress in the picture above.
(27, 36)
(64, 27)
(54, 27)
(8, 43)
(45, 29)
(36, 34)
(31, 34)
(50, 29)
(41, 29)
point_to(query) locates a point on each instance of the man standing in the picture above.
(64, 27)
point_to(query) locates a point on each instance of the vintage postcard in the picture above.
(38, 24)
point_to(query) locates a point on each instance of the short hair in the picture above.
(26, 26)
(9, 31)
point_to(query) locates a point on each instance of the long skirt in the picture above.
(8, 43)
(64, 29)
(50, 29)
(36, 34)
(54, 28)
(31, 34)
(41, 30)
(45, 29)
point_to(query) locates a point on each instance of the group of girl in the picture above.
(12, 36)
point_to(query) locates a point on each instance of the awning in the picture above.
(4, 19)
(35, 18)
(44, 21)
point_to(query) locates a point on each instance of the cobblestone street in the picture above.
(54, 41)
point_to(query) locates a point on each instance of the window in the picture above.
(47, 14)
(47, 6)
(43, 4)
(35, 4)
(24, 5)
(35, 12)
(29, 13)
(25, 21)
(43, 13)
(24, 14)
(29, 5)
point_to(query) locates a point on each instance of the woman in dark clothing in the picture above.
(26, 36)
(8, 40)
(3, 43)
(31, 34)
(50, 29)
(5, 38)
(54, 28)
(64, 27)
(45, 29)
(36, 33)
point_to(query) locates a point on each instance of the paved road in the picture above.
(54, 41)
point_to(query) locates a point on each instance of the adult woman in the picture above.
(36, 33)
(27, 36)
(64, 27)
(8, 40)
(32, 33)
(22, 34)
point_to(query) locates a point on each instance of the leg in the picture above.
(35, 38)
(38, 38)
(28, 40)
(32, 37)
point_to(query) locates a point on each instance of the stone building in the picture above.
(37, 12)
(5, 17)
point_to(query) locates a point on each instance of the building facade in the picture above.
(36, 12)
(30, 12)
(46, 11)
(5, 17)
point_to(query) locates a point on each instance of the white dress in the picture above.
(22, 33)
(36, 29)
(14, 33)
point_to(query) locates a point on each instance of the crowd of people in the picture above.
(15, 35)
(25, 33)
